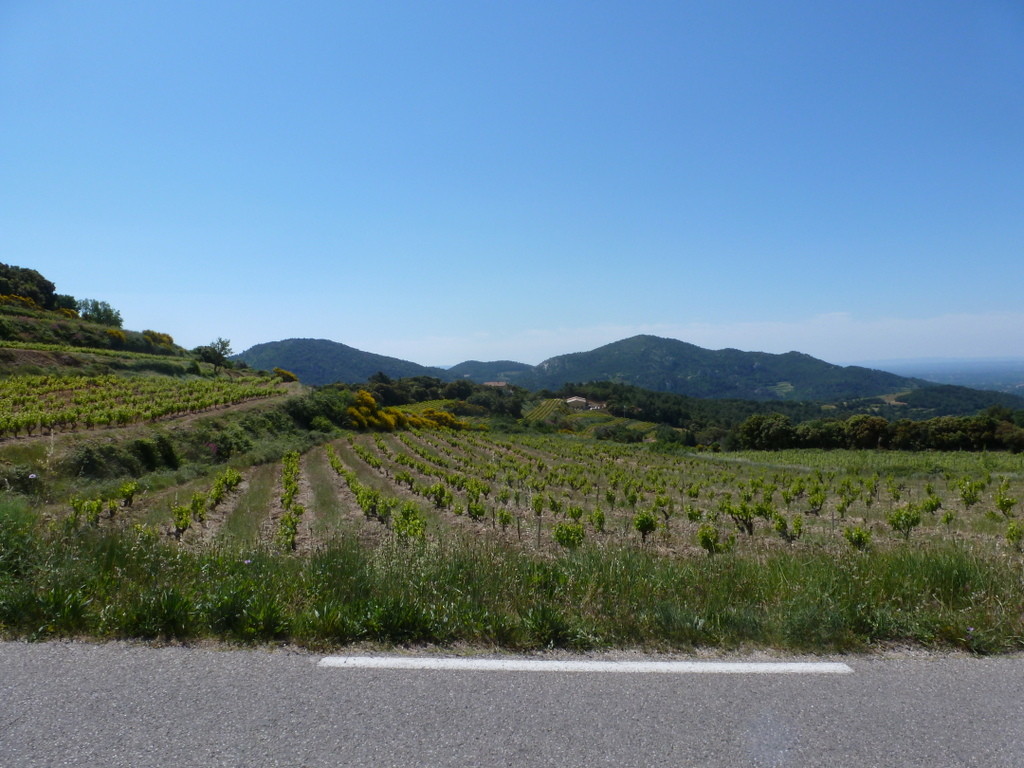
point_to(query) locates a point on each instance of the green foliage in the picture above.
(645, 524)
(931, 504)
(505, 518)
(181, 516)
(769, 432)
(126, 491)
(788, 531)
(99, 312)
(904, 519)
(1004, 501)
(970, 492)
(215, 353)
(1015, 534)
(30, 285)
(858, 537)
(710, 540)
(475, 510)
(409, 523)
(569, 535)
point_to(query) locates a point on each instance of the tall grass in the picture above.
(62, 581)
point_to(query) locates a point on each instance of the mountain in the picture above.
(651, 362)
(669, 365)
(319, 361)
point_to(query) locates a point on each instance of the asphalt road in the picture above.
(70, 704)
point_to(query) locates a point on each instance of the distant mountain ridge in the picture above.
(651, 362)
(998, 374)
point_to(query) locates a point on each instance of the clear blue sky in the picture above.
(442, 181)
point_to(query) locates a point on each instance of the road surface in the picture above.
(111, 705)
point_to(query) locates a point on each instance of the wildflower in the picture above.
(32, 476)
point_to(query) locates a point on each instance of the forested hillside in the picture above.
(662, 365)
(319, 361)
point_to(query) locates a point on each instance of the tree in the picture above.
(21, 281)
(223, 346)
(99, 312)
(216, 353)
(767, 432)
(863, 431)
(458, 390)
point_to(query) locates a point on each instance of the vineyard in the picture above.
(31, 405)
(550, 493)
(467, 514)
(588, 423)
(534, 541)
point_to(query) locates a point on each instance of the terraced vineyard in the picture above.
(61, 403)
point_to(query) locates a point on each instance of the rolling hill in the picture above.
(319, 361)
(651, 362)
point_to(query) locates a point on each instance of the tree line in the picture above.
(735, 424)
(995, 429)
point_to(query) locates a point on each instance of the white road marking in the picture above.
(540, 665)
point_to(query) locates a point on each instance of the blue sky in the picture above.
(443, 181)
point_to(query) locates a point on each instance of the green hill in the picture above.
(319, 361)
(658, 364)
(668, 365)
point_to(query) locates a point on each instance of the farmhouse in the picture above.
(578, 403)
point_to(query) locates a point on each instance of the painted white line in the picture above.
(635, 667)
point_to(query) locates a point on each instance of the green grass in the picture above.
(243, 525)
(57, 581)
(324, 507)
(899, 463)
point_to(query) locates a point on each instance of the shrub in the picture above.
(710, 541)
(505, 518)
(158, 339)
(1015, 534)
(569, 535)
(127, 491)
(116, 337)
(858, 537)
(789, 532)
(408, 522)
(284, 375)
(645, 523)
(904, 519)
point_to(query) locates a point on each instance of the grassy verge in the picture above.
(60, 580)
